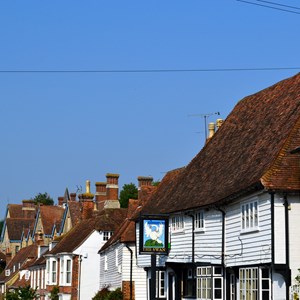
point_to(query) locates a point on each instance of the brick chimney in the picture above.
(28, 206)
(100, 195)
(73, 197)
(87, 202)
(143, 181)
(112, 191)
(60, 201)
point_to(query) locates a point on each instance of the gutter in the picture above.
(131, 264)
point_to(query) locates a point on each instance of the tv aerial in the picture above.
(205, 117)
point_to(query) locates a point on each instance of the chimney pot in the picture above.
(211, 129)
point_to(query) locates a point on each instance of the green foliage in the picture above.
(129, 191)
(115, 295)
(156, 183)
(21, 293)
(54, 293)
(102, 294)
(43, 199)
(106, 294)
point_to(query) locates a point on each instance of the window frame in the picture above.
(66, 265)
(199, 221)
(249, 216)
(177, 223)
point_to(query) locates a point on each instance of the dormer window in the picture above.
(107, 235)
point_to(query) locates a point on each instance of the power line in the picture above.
(272, 7)
(154, 70)
(279, 4)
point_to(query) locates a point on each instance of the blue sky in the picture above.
(60, 129)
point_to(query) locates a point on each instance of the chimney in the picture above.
(100, 191)
(112, 187)
(39, 238)
(219, 122)
(100, 196)
(87, 202)
(73, 197)
(143, 181)
(211, 130)
(60, 201)
(8, 256)
(28, 206)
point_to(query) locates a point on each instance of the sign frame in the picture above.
(154, 234)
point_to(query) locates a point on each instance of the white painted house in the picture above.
(234, 210)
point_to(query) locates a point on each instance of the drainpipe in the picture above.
(287, 245)
(272, 226)
(131, 263)
(79, 276)
(193, 252)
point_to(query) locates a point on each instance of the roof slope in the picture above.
(50, 216)
(16, 226)
(108, 220)
(250, 150)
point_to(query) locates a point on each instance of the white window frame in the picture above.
(199, 221)
(249, 216)
(248, 283)
(177, 223)
(7, 272)
(107, 235)
(105, 263)
(50, 271)
(66, 264)
(207, 279)
(161, 284)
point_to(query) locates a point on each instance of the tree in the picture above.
(43, 199)
(21, 293)
(129, 191)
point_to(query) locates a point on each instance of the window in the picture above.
(17, 248)
(177, 223)
(249, 213)
(68, 271)
(65, 270)
(209, 283)
(105, 263)
(53, 271)
(199, 220)
(249, 283)
(117, 257)
(160, 284)
(255, 283)
(7, 272)
(189, 282)
(107, 235)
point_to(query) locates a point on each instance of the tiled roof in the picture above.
(126, 231)
(20, 259)
(251, 150)
(15, 210)
(108, 220)
(15, 227)
(75, 213)
(50, 216)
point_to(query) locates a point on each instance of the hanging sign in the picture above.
(154, 230)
